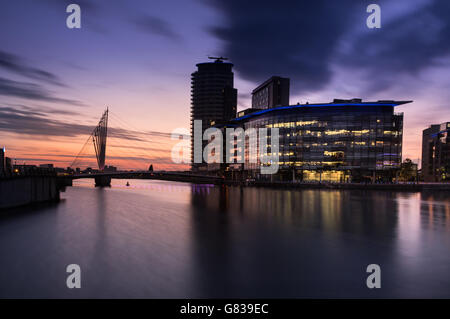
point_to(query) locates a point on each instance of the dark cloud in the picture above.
(406, 45)
(302, 39)
(156, 26)
(125, 134)
(22, 121)
(40, 110)
(294, 38)
(163, 134)
(23, 112)
(137, 148)
(17, 65)
(25, 160)
(28, 120)
(31, 91)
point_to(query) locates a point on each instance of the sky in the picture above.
(136, 58)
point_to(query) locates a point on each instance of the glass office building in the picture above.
(343, 141)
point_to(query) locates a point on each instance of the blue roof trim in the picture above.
(436, 134)
(310, 105)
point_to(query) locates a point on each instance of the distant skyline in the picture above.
(136, 57)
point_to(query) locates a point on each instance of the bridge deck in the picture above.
(169, 176)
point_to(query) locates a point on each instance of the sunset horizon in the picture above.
(56, 84)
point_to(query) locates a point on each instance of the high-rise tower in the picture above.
(213, 98)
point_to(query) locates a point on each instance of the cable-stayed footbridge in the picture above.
(98, 138)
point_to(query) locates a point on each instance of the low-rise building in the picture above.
(342, 141)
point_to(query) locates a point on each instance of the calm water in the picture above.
(163, 239)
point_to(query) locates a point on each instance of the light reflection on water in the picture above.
(166, 239)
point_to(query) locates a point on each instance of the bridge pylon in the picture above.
(99, 136)
(102, 181)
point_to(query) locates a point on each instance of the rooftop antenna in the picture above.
(217, 59)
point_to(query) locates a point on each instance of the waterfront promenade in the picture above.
(408, 187)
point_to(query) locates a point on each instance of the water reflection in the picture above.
(163, 239)
(331, 211)
(263, 242)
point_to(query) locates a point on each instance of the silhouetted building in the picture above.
(272, 93)
(409, 171)
(46, 166)
(436, 153)
(58, 169)
(8, 166)
(346, 140)
(110, 168)
(2, 162)
(24, 169)
(213, 98)
(5, 164)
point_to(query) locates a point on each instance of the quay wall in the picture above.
(403, 187)
(20, 191)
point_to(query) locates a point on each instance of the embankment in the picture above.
(25, 190)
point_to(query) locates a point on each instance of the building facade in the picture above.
(342, 141)
(272, 93)
(213, 98)
(436, 153)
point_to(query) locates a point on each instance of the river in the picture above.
(157, 239)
